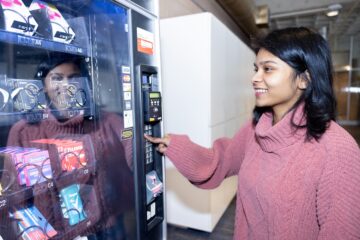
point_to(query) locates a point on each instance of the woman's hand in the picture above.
(163, 143)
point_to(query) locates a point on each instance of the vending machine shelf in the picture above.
(22, 195)
(36, 42)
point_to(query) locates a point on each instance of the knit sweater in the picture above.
(288, 188)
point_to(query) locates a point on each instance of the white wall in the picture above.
(207, 94)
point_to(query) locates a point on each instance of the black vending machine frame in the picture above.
(148, 228)
(145, 19)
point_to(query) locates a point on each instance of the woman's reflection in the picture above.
(70, 113)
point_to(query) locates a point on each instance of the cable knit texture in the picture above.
(288, 188)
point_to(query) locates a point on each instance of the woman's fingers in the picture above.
(161, 148)
(153, 139)
(162, 142)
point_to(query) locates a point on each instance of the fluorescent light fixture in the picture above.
(333, 10)
(332, 13)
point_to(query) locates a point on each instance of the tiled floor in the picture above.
(223, 230)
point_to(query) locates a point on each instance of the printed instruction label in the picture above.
(127, 87)
(127, 96)
(145, 41)
(127, 134)
(128, 119)
(125, 69)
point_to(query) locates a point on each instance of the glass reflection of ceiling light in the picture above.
(347, 68)
(333, 10)
(351, 89)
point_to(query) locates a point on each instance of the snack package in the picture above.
(71, 153)
(17, 17)
(17, 159)
(51, 22)
(39, 169)
(154, 186)
(29, 218)
(71, 204)
(71, 98)
(26, 94)
(32, 164)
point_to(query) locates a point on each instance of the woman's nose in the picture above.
(257, 77)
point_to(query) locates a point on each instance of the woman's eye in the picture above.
(256, 69)
(56, 78)
(268, 69)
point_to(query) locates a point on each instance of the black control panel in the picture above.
(152, 106)
(152, 160)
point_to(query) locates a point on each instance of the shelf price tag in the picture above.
(86, 171)
(50, 184)
(29, 41)
(73, 49)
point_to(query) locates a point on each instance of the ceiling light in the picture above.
(332, 13)
(333, 10)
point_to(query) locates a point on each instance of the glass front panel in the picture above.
(147, 4)
(66, 122)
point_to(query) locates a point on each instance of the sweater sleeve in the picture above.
(207, 167)
(338, 194)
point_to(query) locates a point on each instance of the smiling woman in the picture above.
(276, 84)
(298, 170)
(307, 56)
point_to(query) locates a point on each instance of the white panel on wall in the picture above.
(207, 94)
(184, 52)
(231, 72)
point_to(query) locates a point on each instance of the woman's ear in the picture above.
(304, 79)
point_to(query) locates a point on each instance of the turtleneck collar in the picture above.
(282, 134)
(73, 121)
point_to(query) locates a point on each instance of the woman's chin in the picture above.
(261, 104)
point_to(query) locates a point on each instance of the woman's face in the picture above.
(57, 83)
(275, 83)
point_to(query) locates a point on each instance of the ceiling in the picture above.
(338, 30)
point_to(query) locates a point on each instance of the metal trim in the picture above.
(139, 9)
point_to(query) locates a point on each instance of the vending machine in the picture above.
(79, 88)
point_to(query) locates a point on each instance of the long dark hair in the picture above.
(307, 52)
(53, 60)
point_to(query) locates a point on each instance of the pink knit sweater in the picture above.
(287, 188)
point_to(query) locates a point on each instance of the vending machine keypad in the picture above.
(148, 145)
